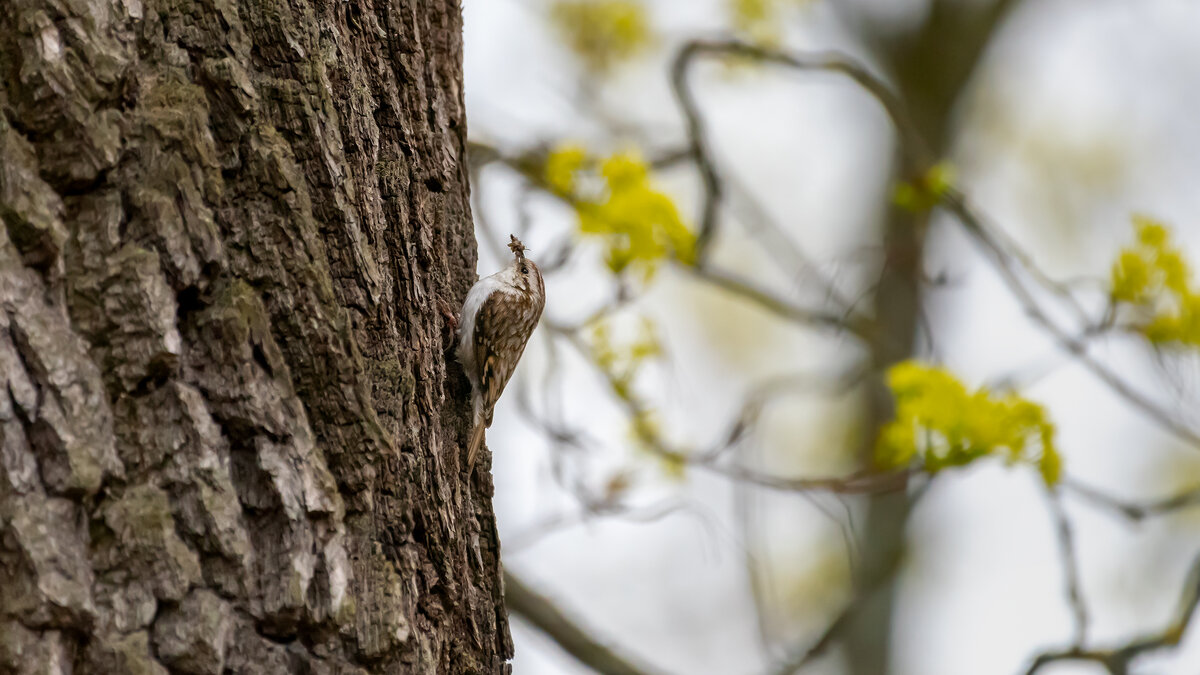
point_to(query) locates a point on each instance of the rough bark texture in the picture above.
(230, 433)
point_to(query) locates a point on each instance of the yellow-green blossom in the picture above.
(561, 167)
(927, 191)
(602, 33)
(639, 225)
(940, 423)
(620, 363)
(760, 21)
(1152, 272)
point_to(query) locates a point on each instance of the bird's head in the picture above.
(526, 274)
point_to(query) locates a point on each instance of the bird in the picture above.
(498, 317)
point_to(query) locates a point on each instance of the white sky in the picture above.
(1086, 114)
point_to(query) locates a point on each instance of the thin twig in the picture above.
(863, 482)
(1065, 537)
(1117, 659)
(1130, 509)
(1003, 261)
(545, 616)
(1004, 254)
(606, 509)
(916, 156)
(746, 289)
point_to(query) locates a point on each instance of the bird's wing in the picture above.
(498, 345)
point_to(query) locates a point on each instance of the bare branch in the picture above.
(1117, 659)
(1004, 255)
(1024, 280)
(863, 482)
(846, 320)
(858, 483)
(804, 657)
(1006, 263)
(698, 143)
(540, 612)
(778, 244)
(780, 307)
(915, 151)
(765, 392)
(1065, 536)
(603, 509)
(1134, 510)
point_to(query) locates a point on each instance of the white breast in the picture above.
(466, 329)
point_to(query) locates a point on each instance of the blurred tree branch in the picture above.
(931, 67)
(1133, 510)
(747, 290)
(1010, 262)
(1005, 255)
(541, 613)
(1118, 659)
(917, 156)
(1064, 534)
(844, 320)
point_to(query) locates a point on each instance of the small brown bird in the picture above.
(498, 317)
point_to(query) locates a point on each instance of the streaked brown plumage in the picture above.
(498, 317)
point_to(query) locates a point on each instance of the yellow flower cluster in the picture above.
(1153, 273)
(926, 191)
(617, 202)
(603, 33)
(759, 20)
(621, 362)
(944, 425)
(562, 166)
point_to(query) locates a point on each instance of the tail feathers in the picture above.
(476, 443)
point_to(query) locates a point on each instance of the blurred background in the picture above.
(725, 301)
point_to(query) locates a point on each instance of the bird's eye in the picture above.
(524, 268)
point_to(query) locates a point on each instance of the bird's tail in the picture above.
(476, 443)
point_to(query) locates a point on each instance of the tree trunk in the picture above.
(932, 67)
(231, 434)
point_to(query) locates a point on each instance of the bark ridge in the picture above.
(230, 432)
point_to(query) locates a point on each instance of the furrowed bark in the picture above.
(231, 431)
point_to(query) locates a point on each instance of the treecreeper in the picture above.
(498, 316)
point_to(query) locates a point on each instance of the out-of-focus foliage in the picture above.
(1153, 273)
(620, 360)
(817, 580)
(603, 33)
(562, 166)
(942, 424)
(760, 21)
(617, 202)
(927, 191)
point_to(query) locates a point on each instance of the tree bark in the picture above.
(231, 434)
